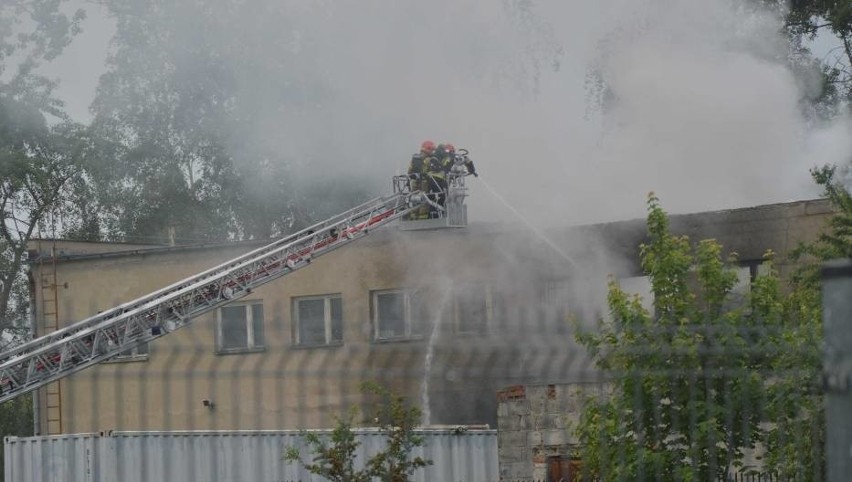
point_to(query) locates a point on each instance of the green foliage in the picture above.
(16, 419)
(807, 19)
(31, 32)
(333, 456)
(38, 161)
(704, 381)
(398, 421)
(38, 164)
(178, 114)
(837, 241)
(52, 32)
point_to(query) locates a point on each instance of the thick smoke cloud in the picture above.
(700, 104)
(701, 107)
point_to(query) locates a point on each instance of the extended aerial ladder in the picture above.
(60, 353)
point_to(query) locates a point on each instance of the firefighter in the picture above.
(437, 176)
(417, 174)
(450, 158)
(468, 164)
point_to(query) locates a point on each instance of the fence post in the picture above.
(837, 375)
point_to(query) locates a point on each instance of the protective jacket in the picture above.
(419, 165)
(435, 167)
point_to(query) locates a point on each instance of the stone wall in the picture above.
(535, 424)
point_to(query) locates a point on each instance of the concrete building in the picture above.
(446, 317)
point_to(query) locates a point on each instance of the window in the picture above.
(318, 320)
(471, 309)
(742, 287)
(240, 328)
(747, 272)
(398, 314)
(504, 314)
(555, 292)
(556, 305)
(639, 285)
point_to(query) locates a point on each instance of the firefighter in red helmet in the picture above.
(450, 156)
(463, 160)
(436, 172)
(418, 170)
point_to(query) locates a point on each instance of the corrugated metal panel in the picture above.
(224, 456)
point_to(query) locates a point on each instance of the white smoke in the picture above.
(701, 107)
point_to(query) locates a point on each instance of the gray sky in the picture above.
(82, 62)
(703, 115)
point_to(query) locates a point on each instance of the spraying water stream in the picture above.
(538, 232)
(430, 355)
(445, 298)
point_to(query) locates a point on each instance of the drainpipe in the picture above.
(837, 366)
(33, 335)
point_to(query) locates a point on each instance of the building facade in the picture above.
(445, 317)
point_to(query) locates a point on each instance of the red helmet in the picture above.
(427, 147)
(450, 148)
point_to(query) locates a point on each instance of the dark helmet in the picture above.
(450, 148)
(441, 151)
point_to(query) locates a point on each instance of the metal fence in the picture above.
(225, 456)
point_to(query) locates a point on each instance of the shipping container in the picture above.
(459, 455)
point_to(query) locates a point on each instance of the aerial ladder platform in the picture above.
(93, 340)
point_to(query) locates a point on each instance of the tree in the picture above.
(36, 166)
(334, 456)
(16, 418)
(35, 159)
(398, 421)
(181, 110)
(35, 170)
(807, 19)
(837, 241)
(704, 382)
(31, 32)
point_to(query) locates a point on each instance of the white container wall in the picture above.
(251, 456)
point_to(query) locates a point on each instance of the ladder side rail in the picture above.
(93, 345)
(122, 308)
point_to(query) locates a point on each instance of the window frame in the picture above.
(747, 272)
(409, 324)
(328, 323)
(485, 325)
(642, 286)
(251, 344)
